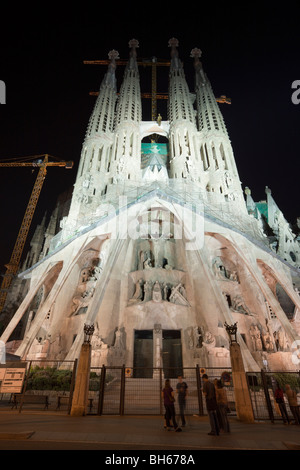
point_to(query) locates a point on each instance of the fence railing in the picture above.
(262, 386)
(123, 390)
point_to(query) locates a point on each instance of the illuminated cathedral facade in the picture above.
(161, 245)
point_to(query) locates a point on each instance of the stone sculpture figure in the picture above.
(147, 264)
(198, 337)
(176, 296)
(147, 291)
(119, 339)
(256, 338)
(156, 293)
(138, 295)
(239, 306)
(219, 269)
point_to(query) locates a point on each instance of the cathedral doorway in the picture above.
(155, 349)
(171, 353)
(143, 353)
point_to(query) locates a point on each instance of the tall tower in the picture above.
(93, 174)
(219, 171)
(126, 154)
(181, 115)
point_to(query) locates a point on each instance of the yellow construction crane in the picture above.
(41, 162)
(153, 63)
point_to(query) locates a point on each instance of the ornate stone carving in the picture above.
(156, 292)
(89, 275)
(178, 295)
(255, 336)
(119, 342)
(222, 272)
(238, 305)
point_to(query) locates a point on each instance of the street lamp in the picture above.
(232, 332)
(88, 332)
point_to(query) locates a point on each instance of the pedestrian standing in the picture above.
(169, 399)
(182, 391)
(222, 403)
(293, 403)
(279, 398)
(211, 405)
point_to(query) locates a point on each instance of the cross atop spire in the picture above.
(196, 53)
(133, 44)
(113, 55)
(110, 78)
(173, 43)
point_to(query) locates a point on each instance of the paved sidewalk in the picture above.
(35, 430)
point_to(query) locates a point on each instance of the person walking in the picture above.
(222, 403)
(279, 398)
(182, 391)
(168, 398)
(293, 404)
(211, 405)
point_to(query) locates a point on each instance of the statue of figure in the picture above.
(176, 297)
(147, 291)
(96, 341)
(190, 338)
(156, 293)
(268, 343)
(198, 337)
(119, 339)
(256, 338)
(147, 263)
(138, 295)
(239, 306)
(267, 338)
(142, 258)
(166, 291)
(209, 341)
(219, 269)
(282, 340)
(182, 290)
(81, 301)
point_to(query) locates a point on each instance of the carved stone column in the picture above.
(81, 390)
(241, 391)
(157, 349)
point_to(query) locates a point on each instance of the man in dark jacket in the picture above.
(211, 405)
(182, 391)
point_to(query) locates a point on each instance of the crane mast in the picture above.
(13, 265)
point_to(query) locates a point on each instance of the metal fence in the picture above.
(123, 390)
(262, 386)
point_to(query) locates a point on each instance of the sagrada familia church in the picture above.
(160, 246)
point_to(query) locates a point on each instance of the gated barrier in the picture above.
(124, 390)
(262, 386)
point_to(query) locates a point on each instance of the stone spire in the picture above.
(218, 167)
(209, 114)
(129, 106)
(181, 116)
(102, 118)
(127, 143)
(94, 168)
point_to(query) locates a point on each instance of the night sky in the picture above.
(250, 53)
